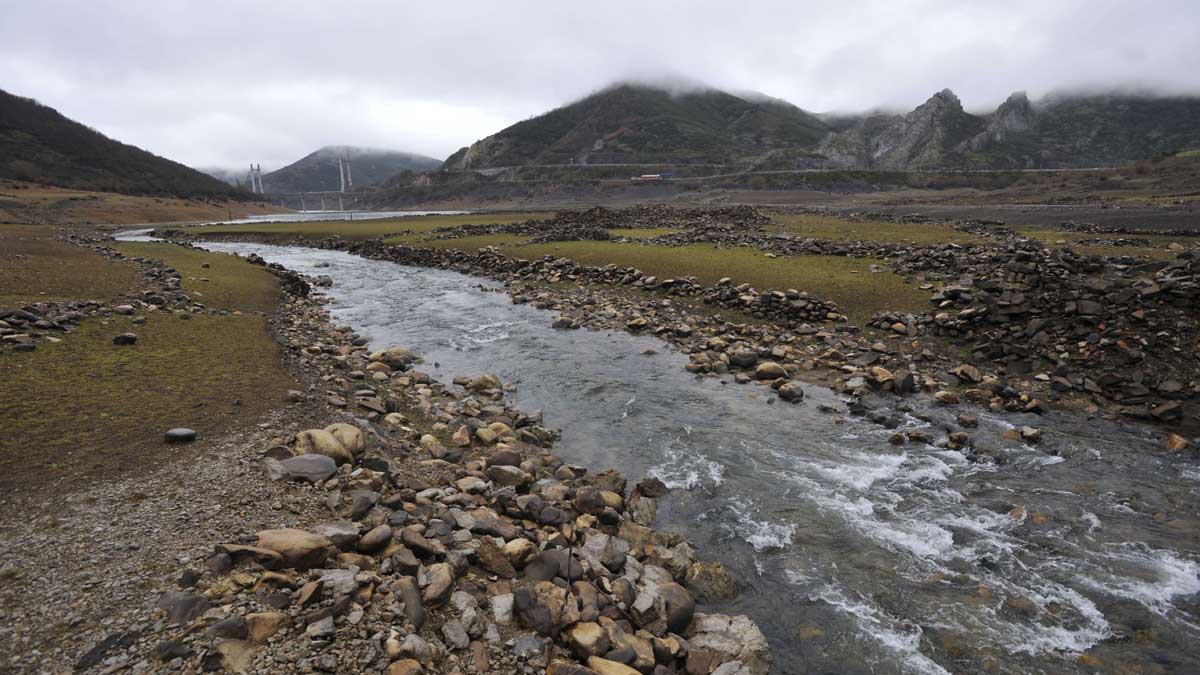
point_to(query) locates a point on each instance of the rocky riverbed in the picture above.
(452, 541)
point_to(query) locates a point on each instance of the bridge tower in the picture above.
(344, 171)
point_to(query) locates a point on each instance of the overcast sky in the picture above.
(217, 83)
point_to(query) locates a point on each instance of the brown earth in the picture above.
(31, 203)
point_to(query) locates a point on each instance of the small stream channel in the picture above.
(855, 556)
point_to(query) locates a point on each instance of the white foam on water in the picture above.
(1049, 460)
(1155, 577)
(859, 470)
(1087, 626)
(686, 469)
(902, 639)
(928, 469)
(628, 404)
(762, 534)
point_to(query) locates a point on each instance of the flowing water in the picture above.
(856, 556)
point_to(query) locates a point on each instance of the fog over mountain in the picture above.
(185, 81)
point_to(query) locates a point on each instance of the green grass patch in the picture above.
(841, 229)
(85, 408)
(227, 283)
(849, 282)
(35, 267)
(1188, 153)
(365, 229)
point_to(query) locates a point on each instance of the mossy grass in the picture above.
(850, 282)
(842, 229)
(35, 267)
(227, 283)
(85, 408)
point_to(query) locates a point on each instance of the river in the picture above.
(855, 556)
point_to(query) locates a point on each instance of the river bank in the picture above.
(962, 558)
(424, 523)
(960, 533)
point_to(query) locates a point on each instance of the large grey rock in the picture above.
(311, 468)
(181, 607)
(725, 639)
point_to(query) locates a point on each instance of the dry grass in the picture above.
(28, 202)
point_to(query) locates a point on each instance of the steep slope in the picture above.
(40, 145)
(634, 124)
(318, 171)
(1087, 131)
(934, 135)
(1056, 132)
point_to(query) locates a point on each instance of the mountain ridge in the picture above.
(41, 145)
(318, 170)
(630, 123)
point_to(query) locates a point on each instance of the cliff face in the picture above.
(931, 136)
(1057, 132)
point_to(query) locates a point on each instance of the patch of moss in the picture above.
(841, 229)
(227, 283)
(85, 407)
(35, 267)
(849, 282)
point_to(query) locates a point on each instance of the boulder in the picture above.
(545, 608)
(262, 625)
(606, 667)
(710, 582)
(405, 667)
(311, 468)
(441, 582)
(350, 436)
(376, 539)
(321, 442)
(791, 391)
(181, 607)
(587, 639)
(769, 370)
(299, 549)
(716, 639)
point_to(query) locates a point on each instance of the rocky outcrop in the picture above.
(928, 137)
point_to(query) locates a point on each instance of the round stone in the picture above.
(181, 435)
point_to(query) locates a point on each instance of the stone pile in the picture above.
(1123, 332)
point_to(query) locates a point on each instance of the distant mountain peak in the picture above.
(318, 171)
(641, 122)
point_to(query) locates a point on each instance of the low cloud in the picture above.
(229, 83)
